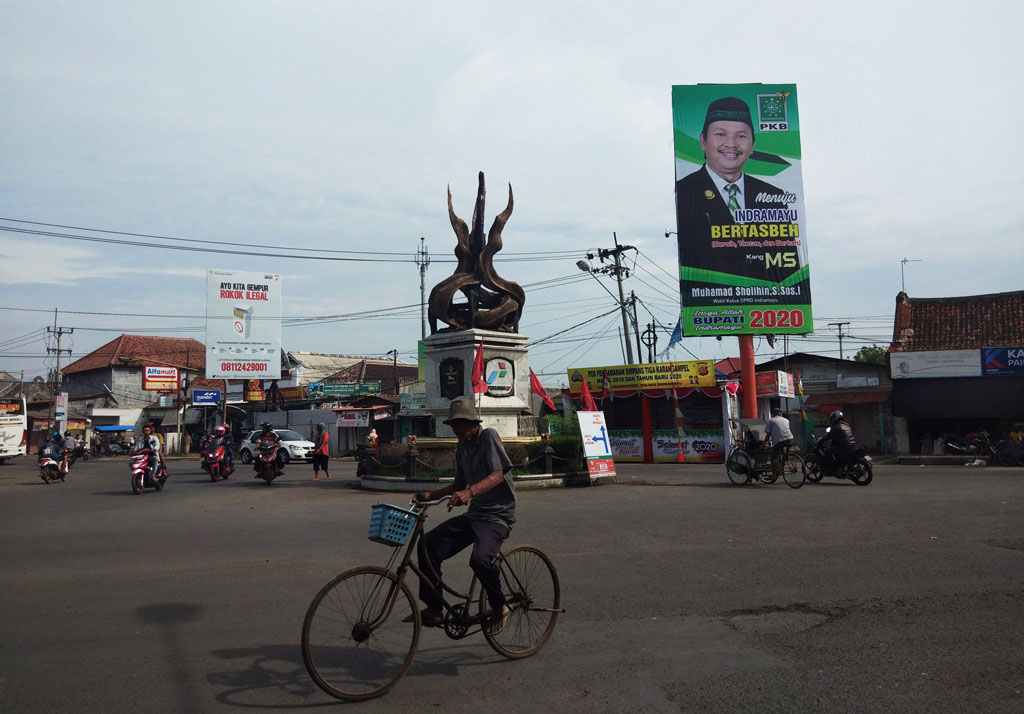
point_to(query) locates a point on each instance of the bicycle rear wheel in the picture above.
(529, 582)
(355, 642)
(793, 470)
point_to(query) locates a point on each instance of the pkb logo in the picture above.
(773, 112)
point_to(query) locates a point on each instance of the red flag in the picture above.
(605, 386)
(479, 383)
(537, 388)
(589, 405)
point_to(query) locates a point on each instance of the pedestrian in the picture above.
(321, 451)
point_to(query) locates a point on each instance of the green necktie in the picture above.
(733, 189)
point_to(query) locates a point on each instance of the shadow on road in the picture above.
(275, 677)
(169, 616)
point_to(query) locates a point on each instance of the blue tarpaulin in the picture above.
(113, 428)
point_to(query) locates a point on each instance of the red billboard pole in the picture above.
(747, 379)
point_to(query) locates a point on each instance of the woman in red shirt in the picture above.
(320, 452)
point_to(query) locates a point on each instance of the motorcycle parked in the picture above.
(977, 444)
(142, 474)
(855, 466)
(268, 465)
(215, 463)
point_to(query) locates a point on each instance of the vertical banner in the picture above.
(243, 325)
(743, 265)
(597, 446)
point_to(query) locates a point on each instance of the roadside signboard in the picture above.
(354, 418)
(201, 397)
(743, 264)
(937, 363)
(159, 379)
(243, 325)
(597, 447)
(319, 390)
(775, 384)
(999, 361)
(662, 375)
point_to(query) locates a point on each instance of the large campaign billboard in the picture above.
(743, 266)
(243, 325)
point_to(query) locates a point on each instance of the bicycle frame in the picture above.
(407, 563)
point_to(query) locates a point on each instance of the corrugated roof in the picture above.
(377, 370)
(184, 352)
(955, 323)
(317, 366)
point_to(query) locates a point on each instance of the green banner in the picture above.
(743, 262)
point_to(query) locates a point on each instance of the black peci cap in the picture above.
(728, 109)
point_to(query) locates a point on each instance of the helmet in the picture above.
(219, 430)
(835, 417)
(67, 433)
(267, 426)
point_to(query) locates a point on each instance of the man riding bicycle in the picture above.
(483, 480)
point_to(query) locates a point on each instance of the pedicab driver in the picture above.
(483, 480)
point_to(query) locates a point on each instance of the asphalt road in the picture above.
(683, 593)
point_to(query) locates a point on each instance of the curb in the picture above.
(400, 484)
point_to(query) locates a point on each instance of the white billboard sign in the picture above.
(243, 325)
(940, 363)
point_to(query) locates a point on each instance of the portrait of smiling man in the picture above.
(711, 195)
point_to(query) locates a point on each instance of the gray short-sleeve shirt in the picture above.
(476, 461)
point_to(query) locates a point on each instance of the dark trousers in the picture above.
(450, 538)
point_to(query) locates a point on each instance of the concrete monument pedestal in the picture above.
(449, 364)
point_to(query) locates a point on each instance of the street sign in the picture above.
(318, 390)
(597, 445)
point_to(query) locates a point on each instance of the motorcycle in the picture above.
(855, 466)
(142, 474)
(268, 465)
(977, 444)
(50, 469)
(215, 463)
(80, 453)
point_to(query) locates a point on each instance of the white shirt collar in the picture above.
(721, 183)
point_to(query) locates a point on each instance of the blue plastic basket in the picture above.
(390, 525)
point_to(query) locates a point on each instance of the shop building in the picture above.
(957, 365)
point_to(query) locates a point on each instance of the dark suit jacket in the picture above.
(699, 206)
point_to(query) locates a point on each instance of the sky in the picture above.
(339, 126)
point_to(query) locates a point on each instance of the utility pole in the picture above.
(840, 326)
(618, 271)
(394, 366)
(422, 261)
(636, 327)
(59, 332)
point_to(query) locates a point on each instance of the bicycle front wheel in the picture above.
(794, 471)
(529, 582)
(739, 466)
(360, 634)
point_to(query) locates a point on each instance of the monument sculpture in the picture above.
(487, 321)
(492, 303)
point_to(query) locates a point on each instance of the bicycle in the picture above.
(362, 628)
(750, 459)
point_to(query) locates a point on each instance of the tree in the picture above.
(871, 355)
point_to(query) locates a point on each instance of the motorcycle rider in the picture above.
(152, 442)
(67, 446)
(267, 439)
(839, 439)
(221, 438)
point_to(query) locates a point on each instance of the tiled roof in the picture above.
(729, 365)
(954, 323)
(182, 352)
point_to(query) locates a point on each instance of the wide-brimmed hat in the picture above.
(462, 409)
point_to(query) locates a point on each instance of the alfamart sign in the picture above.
(741, 228)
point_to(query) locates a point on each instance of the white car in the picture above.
(293, 446)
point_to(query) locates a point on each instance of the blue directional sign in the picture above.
(205, 396)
